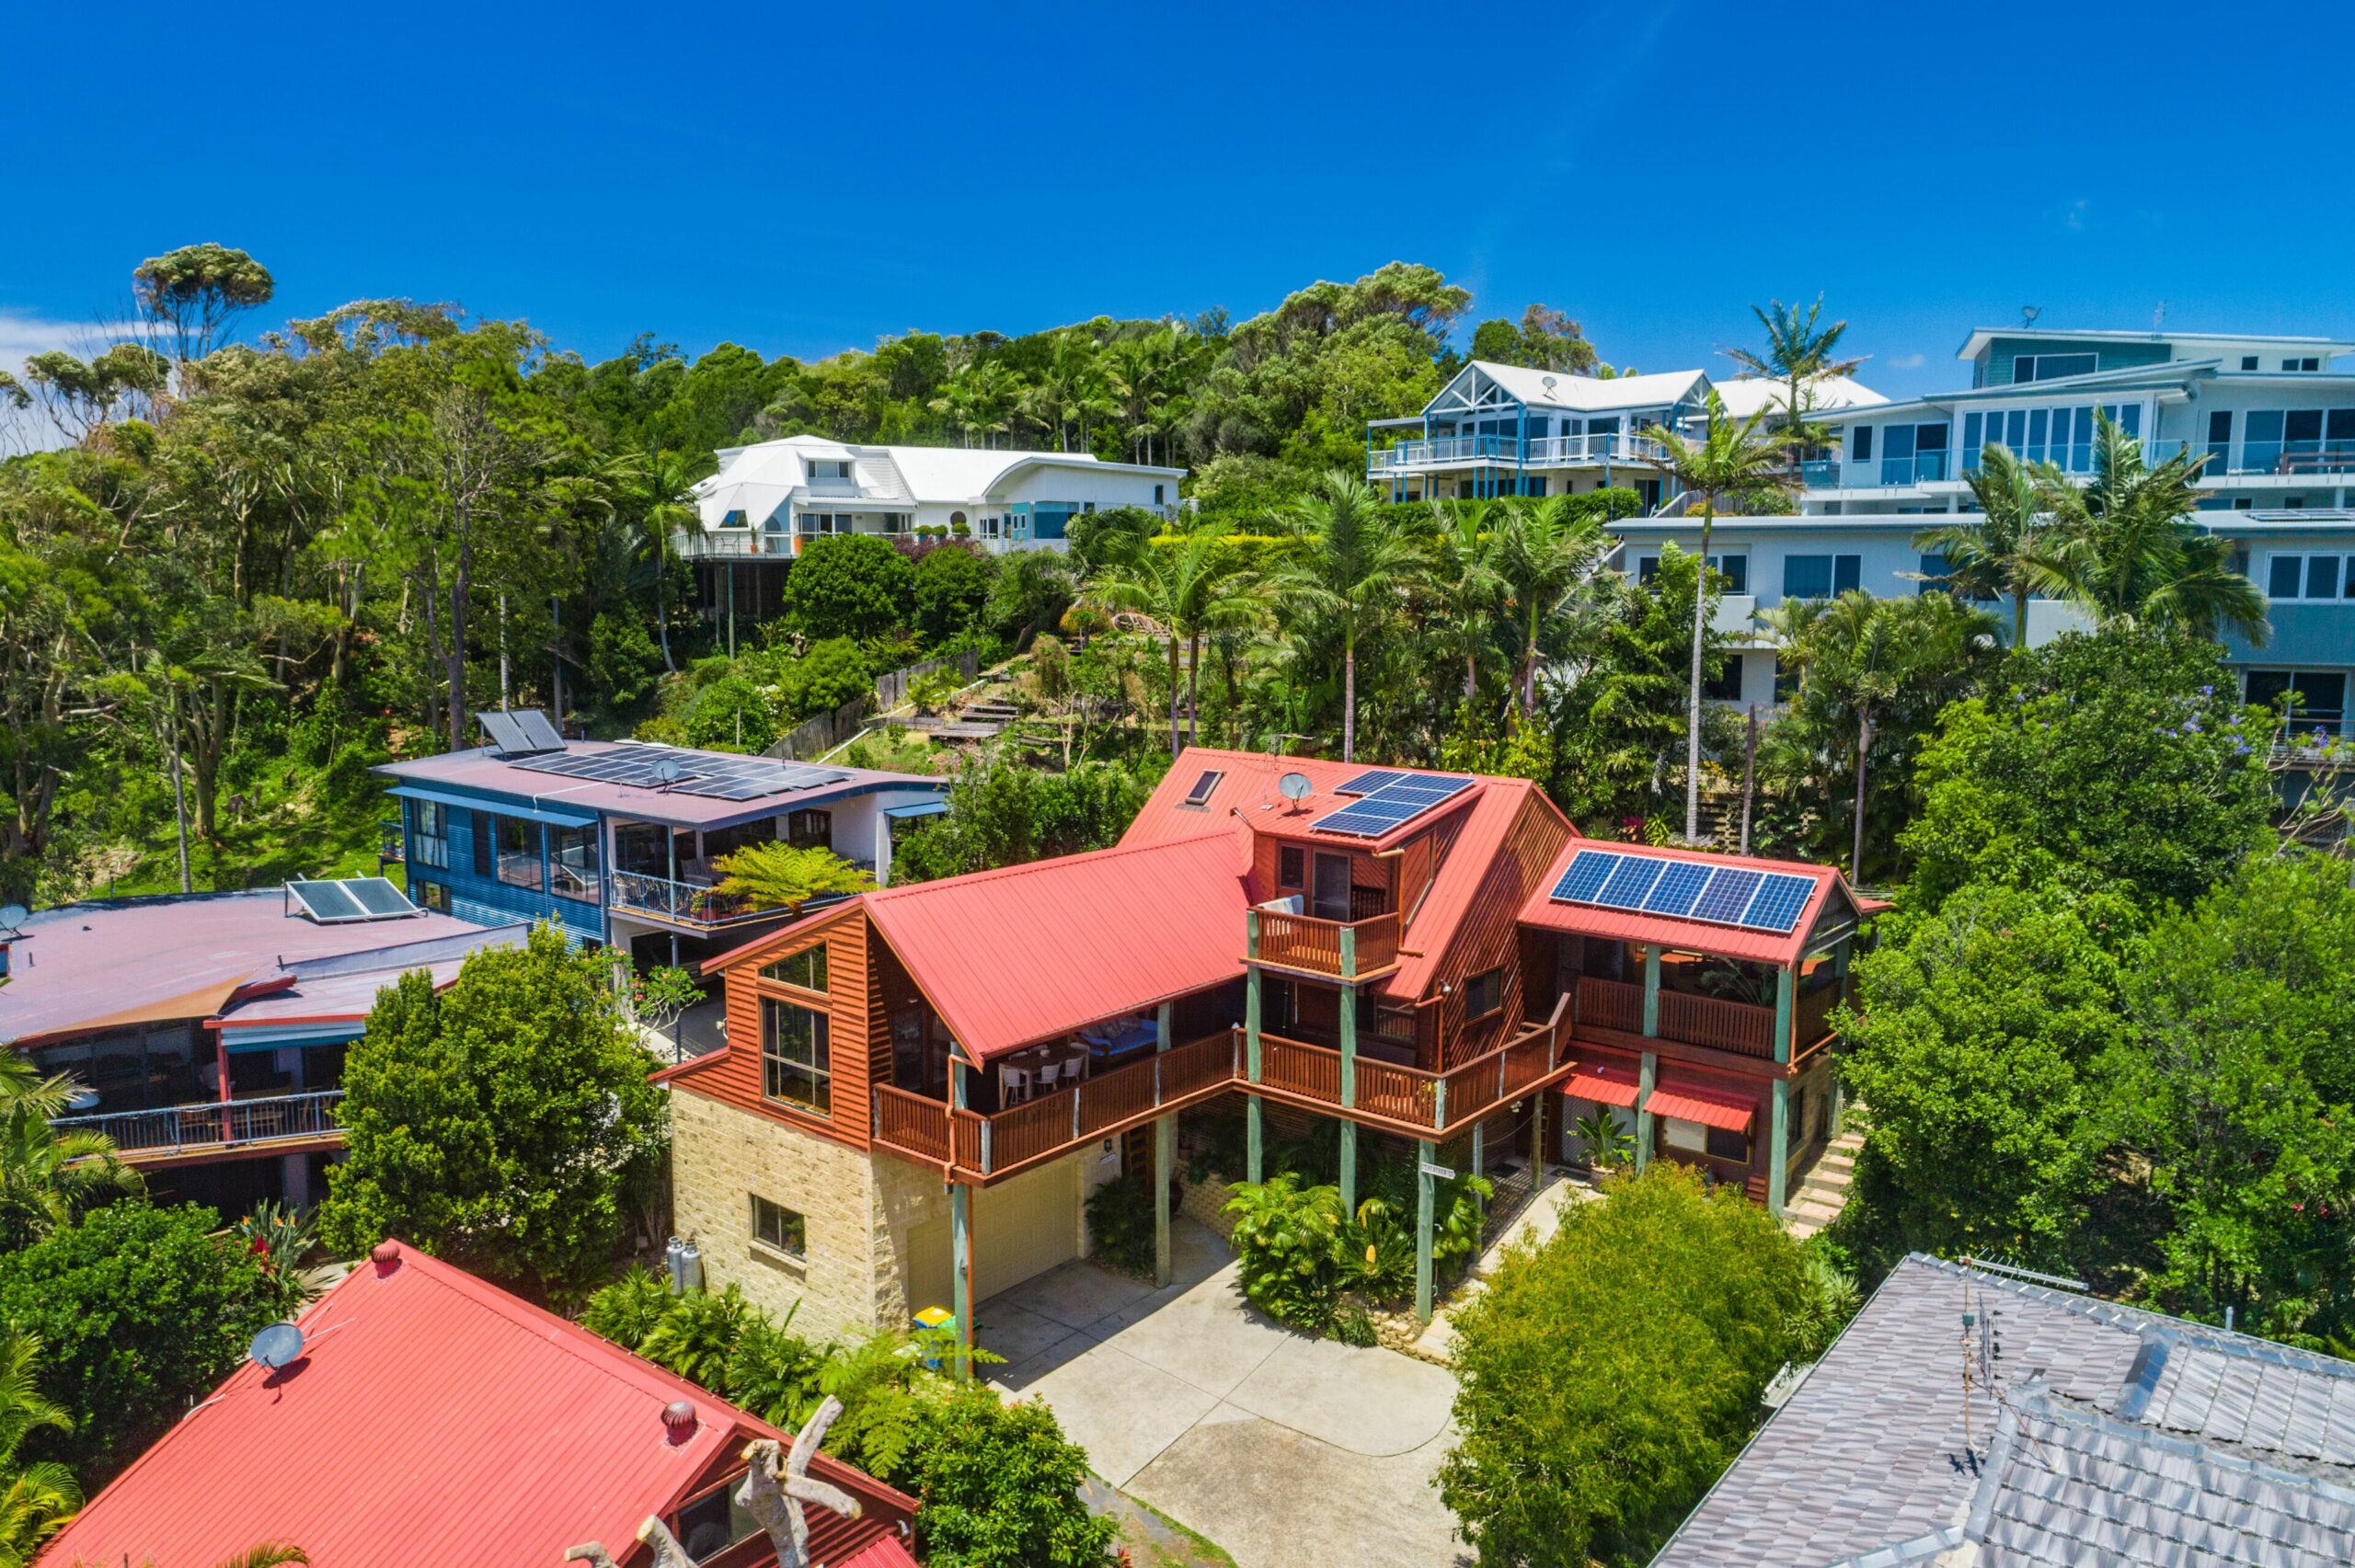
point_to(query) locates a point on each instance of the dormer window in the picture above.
(829, 468)
(2051, 367)
(2309, 364)
(2248, 362)
(733, 519)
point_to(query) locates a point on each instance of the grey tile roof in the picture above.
(2052, 1429)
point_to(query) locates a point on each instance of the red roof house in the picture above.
(433, 1418)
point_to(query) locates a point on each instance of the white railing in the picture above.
(214, 1124)
(685, 903)
(1549, 451)
(739, 544)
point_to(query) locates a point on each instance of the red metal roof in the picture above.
(1245, 795)
(435, 1418)
(1710, 1110)
(1019, 955)
(1688, 936)
(1599, 1082)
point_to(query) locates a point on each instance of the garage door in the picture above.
(931, 1282)
(1025, 1226)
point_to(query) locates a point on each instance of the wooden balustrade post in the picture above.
(1164, 1156)
(1254, 1135)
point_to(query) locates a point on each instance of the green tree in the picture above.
(950, 589)
(508, 1124)
(781, 877)
(1185, 594)
(195, 292)
(1000, 1486)
(1543, 557)
(2129, 555)
(1354, 582)
(1620, 724)
(1029, 594)
(1606, 1377)
(1002, 814)
(48, 1178)
(1974, 1040)
(848, 585)
(35, 1496)
(1729, 459)
(1799, 351)
(2008, 548)
(138, 1308)
(2115, 761)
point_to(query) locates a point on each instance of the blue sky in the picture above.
(804, 179)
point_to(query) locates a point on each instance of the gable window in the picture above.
(779, 1228)
(428, 826)
(1200, 795)
(805, 970)
(2051, 367)
(518, 849)
(1291, 866)
(796, 1065)
(1483, 994)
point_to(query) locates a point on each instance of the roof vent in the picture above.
(385, 1255)
(678, 1420)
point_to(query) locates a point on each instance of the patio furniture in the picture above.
(1048, 1073)
(1013, 1083)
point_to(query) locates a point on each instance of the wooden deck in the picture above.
(1615, 1007)
(1336, 950)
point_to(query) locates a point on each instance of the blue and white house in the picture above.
(616, 841)
(2274, 418)
(1498, 429)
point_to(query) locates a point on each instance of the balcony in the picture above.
(1334, 950)
(1386, 1096)
(697, 904)
(730, 544)
(1541, 452)
(212, 1125)
(1740, 1027)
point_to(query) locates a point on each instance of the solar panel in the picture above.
(1583, 880)
(1778, 903)
(326, 902)
(1727, 895)
(1629, 882)
(506, 735)
(1399, 799)
(1677, 887)
(1370, 781)
(379, 898)
(704, 774)
(541, 734)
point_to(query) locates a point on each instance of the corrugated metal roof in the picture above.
(434, 1418)
(1245, 795)
(1019, 955)
(1602, 1082)
(1709, 1110)
(1688, 936)
(456, 777)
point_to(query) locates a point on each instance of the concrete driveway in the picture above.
(1287, 1451)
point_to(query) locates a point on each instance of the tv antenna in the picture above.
(2159, 316)
(1295, 787)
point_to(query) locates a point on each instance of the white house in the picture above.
(767, 499)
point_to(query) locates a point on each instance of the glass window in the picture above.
(519, 850)
(795, 1065)
(2248, 362)
(809, 829)
(2285, 573)
(431, 896)
(806, 969)
(1483, 994)
(2322, 576)
(1291, 866)
(1847, 572)
(572, 862)
(1646, 568)
(1864, 444)
(1729, 1144)
(1734, 569)
(1723, 684)
(778, 1227)
(1807, 576)
(430, 833)
(1690, 1138)
(1201, 794)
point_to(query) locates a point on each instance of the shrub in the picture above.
(1119, 1223)
(848, 585)
(999, 1484)
(1299, 1251)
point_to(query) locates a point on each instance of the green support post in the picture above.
(1425, 1155)
(1645, 1076)
(1778, 1133)
(1652, 992)
(1348, 1149)
(1164, 1156)
(1783, 1016)
(1254, 1139)
(961, 1238)
(1537, 1151)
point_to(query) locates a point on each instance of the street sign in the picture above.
(1442, 1172)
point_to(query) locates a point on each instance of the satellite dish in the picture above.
(15, 915)
(1549, 383)
(1295, 787)
(275, 1346)
(666, 772)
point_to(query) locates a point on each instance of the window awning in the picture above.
(1725, 1113)
(1607, 1085)
(920, 808)
(499, 808)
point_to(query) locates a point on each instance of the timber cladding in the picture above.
(1489, 935)
(858, 1044)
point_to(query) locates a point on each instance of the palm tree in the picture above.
(1543, 554)
(660, 484)
(2128, 553)
(1465, 589)
(1362, 566)
(1728, 460)
(1799, 354)
(38, 1498)
(48, 1177)
(1187, 590)
(2009, 547)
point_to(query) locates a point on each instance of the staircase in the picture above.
(1825, 1191)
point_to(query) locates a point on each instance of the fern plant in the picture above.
(627, 1311)
(694, 1337)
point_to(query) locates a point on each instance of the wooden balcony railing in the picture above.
(1713, 1020)
(1814, 1016)
(1611, 1004)
(1424, 1101)
(214, 1124)
(1305, 943)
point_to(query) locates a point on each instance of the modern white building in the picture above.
(2273, 417)
(1505, 431)
(767, 500)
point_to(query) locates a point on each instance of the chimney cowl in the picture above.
(678, 1420)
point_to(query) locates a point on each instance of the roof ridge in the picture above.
(1007, 872)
